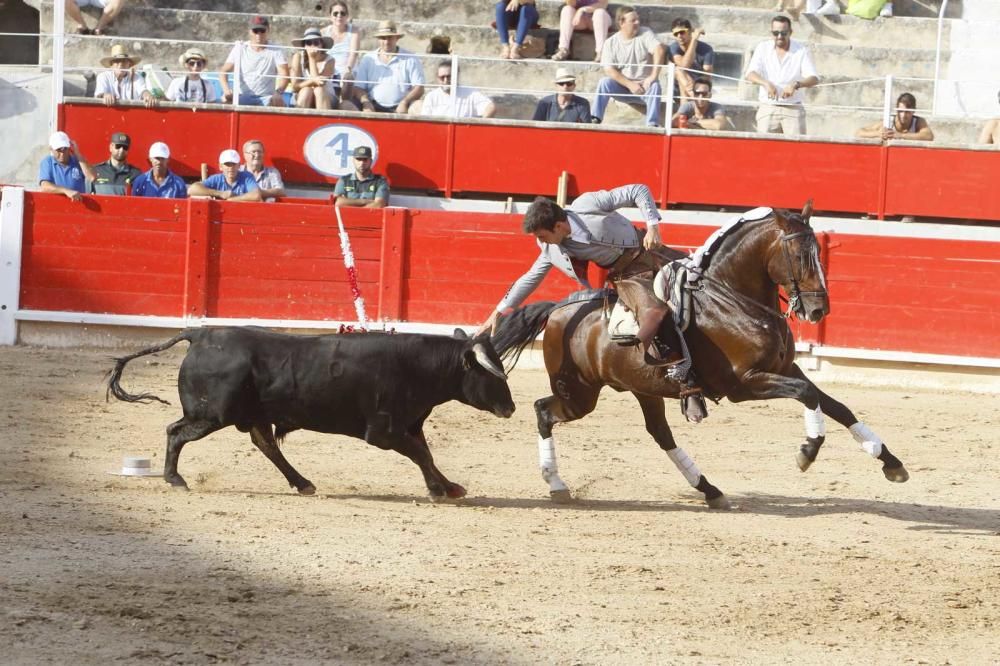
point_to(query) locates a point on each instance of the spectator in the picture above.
(583, 15)
(121, 82)
(64, 170)
(905, 124)
(391, 78)
(796, 7)
(346, 49)
(109, 10)
(313, 72)
(268, 179)
(521, 13)
(690, 55)
(230, 185)
(781, 67)
(467, 102)
(115, 175)
(631, 59)
(563, 107)
(702, 113)
(263, 69)
(364, 189)
(159, 181)
(991, 131)
(192, 88)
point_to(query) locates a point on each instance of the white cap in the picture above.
(229, 155)
(159, 149)
(59, 140)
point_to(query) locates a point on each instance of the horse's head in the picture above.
(795, 265)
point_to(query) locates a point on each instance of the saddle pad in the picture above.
(622, 324)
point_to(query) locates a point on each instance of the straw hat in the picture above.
(563, 75)
(193, 53)
(387, 29)
(309, 35)
(119, 52)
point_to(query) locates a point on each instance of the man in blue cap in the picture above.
(364, 188)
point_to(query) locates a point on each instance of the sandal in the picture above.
(561, 54)
(515, 52)
(505, 52)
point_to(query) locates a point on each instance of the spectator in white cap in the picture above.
(64, 170)
(268, 179)
(159, 181)
(120, 82)
(230, 185)
(565, 106)
(465, 103)
(192, 88)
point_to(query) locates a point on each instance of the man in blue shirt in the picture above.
(230, 185)
(159, 181)
(64, 170)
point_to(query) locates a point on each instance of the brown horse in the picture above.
(740, 344)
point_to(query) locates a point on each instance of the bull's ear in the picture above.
(460, 334)
(807, 211)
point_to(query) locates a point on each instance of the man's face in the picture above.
(60, 155)
(388, 43)
(781, 33)
(904, 115)
(702, 95)
(444, 76)
(159, 165)
(258, 35)
(554, 236)
(629, 25)
(118, 151)
(254, 155)
(121, 67)
(363, 166)
(682, 35)
(230, 171)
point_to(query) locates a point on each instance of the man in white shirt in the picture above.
(120, 82)
(263, 69)
(192, 88)
(467, 102)
(390, 79)
(781, 67)
(631, 60)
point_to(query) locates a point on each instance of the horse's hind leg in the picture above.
(263, 438)
(892, 467)
(559, 409)
(656, 425)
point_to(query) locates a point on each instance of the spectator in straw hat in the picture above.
(120, 82)
(564, 106)
(192, 88)
(109, 10)
(64, 170)
(263, 68)
(391, 78)
(230, 185)
(314, 72)
(159, 181)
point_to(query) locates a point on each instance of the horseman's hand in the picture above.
(652, 239)
(489, 325)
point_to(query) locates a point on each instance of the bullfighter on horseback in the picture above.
(592, 229)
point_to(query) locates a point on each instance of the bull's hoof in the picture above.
(562, 496)
(802, 460)
(177, 484)
(721, 503)
(456, 491)
(896, 474)
(308, 489)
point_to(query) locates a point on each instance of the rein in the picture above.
(795, 297)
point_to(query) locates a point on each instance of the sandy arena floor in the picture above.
(836, 565)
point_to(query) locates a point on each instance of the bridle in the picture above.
(795, 297)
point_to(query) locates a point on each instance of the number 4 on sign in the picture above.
(339, 145)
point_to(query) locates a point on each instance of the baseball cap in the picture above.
(259, 22)
(363, 151)
(229, 156)
(122, 138)
(59, 140)
(159, 149)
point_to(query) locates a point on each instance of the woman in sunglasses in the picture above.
(346, 47)
(192, 88)
(313, 72)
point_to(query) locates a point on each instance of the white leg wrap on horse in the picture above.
(685, 465)
(547, 461)
(868, 440)
(815, 425)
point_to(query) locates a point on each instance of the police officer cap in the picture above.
(363, 152)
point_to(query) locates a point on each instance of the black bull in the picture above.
(373, 386)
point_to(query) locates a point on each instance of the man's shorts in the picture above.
(100, 4)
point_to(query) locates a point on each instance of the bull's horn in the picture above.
(484, 360)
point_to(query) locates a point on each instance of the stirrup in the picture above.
(693, 405)
(661, 362)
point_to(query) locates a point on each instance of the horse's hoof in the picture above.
(896, 474)
(309, 489)
(721, 503)
(803, 461)
(456, 491)
(561, 496)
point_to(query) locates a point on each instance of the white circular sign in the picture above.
(328, 149)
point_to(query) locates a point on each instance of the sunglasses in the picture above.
(61, 150)
(230, 164)
(677, 33)
(259, 31)
(781, 33)
(313, 42)
(702, 93)
(195, 63)
(567, 84)
(338, 13)
(362, 159)
(121, 146)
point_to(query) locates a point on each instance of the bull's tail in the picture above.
(519, 329)
(114, 375)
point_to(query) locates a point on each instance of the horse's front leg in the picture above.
(656, 425)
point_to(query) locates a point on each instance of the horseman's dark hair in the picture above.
(680, 23)
(622, 12)
(703, 80)
(542, 214)
(907, 100)
(783, 19)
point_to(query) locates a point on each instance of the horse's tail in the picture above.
(114, 375)
(519, 329)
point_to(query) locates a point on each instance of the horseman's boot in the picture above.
(649, 325)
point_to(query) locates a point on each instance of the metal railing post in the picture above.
(668, 92)
(58, 62)
(937, 56)
(453, 88)
(887, 110)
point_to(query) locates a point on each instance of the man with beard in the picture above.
(781, 67)
(64, 170)
(115, 175)
(263, 68)
(159, 181)
(365, 188)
